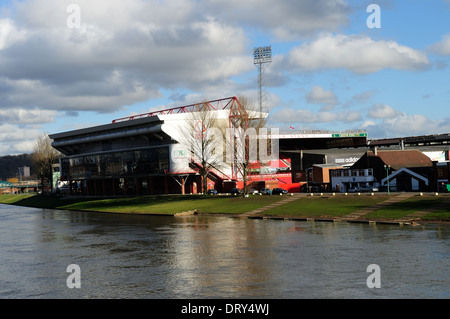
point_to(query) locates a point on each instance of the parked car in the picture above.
(63, 190)
(236, 191)
(266, 191)
(279, 191)
(366, 189)
(212, 191)
(253, 191)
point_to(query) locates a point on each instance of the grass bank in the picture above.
(164, 204)
(436, 208)
(325, 206)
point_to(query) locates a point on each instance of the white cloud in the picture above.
(349, 116)
(299, 17)
(124, 53)
(406, 125)
(24, 116)
(383, 111)
(318, 95)
(410, 124)
(368, 123)
(363, 97)
(9, 33)
(442, 47)
(17, 140)
(289, 115)
(357, 53)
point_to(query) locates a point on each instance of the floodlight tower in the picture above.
(261, 57)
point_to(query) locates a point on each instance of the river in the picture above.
(131, 256)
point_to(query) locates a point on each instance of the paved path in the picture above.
(352, 216)
(261, 209)
(362, 212)
(359, 213)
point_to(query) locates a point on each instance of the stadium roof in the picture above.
(435, 139)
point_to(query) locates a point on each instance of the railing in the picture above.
(220, 104)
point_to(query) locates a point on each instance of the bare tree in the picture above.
(249, 144)
(202, 136)
(43, 156)
(207, 133)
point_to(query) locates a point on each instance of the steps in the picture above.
(359, 213)
(357, 216)
(259, 210)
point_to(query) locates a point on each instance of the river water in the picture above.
(129, 256)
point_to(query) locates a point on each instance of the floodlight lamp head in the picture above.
(262, 54)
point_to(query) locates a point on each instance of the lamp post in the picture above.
(387, 167)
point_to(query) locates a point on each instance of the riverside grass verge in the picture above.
(437, 208)
(161, 204)
(326, 206)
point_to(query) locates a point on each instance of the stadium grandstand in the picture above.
(143, 154)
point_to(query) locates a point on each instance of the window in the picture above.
(336, 173)
(129, 163)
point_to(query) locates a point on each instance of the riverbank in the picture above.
(413, 208)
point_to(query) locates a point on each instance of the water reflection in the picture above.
(217, 251)
(135, 256)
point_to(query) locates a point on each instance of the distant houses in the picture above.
(400, 170)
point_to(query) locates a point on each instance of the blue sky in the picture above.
(61, 71)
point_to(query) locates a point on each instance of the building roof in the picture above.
(144, 132)
(337, 166)
(402, 158)
(407, 171)
(413, 140)
(105, 127)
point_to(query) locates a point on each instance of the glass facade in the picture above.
(134, 163)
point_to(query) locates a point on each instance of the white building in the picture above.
(347, 179)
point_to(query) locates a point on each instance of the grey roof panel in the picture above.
(106, 127)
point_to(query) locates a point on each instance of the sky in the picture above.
(337, 64)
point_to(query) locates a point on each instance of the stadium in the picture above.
(145, 154)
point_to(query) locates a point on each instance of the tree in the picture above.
(208, 132)
(202, 136)
(248, 142)
(43, 157)
(9, 165)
